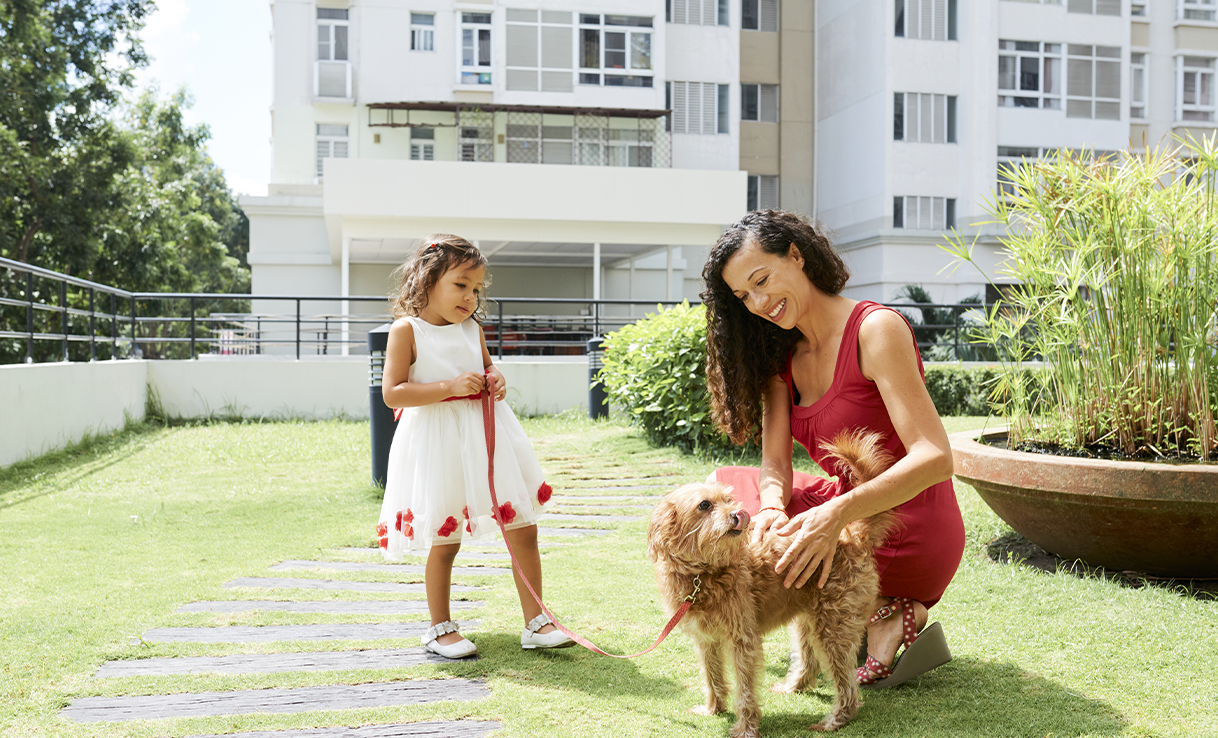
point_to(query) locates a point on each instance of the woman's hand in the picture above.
(469, 383)
(768, 519)
(816, 534)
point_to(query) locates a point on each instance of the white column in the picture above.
(596, 271)
(346, 292)
(668, 273)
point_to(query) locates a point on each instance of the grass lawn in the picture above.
(102, 543)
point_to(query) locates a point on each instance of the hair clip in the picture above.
(434, 245)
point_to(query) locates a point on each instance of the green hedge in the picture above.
(656, 370)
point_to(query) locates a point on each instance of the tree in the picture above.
(63, 66)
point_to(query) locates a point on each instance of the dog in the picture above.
(698, 542)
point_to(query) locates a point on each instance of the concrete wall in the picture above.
(49, 406)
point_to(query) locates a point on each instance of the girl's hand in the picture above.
(496, 383)
(469, 383)
(816, 534)
(765, 520)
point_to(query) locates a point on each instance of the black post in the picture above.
(92, 327)
(192, 328)
(598, 399)
(63, 318)
(29, 317)
(135, 348)
(113, 326)
(298, 329)
(380, 416)
(499, 328)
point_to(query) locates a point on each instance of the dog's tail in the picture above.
(860, 458)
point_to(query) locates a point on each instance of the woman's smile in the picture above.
(778, 310)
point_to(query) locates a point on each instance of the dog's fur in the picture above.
(742, 597)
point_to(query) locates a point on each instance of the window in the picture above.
(1029, 73)
(698, 12)
(475, 48)
(698, 107)
(615, 50)
(539, 50)
(1196, 9)
(924, 213)
(534, 140)
(759, 15)
(922, 118)
(930, 20)
(331, 144)
(332, 74)
(1194, 88)
(759, 103)
(1137, 8)
(422, 144)
(422, 32)
(762, 192)
(1137, 85)
(1010, 159)
(1093, 82)
(1094, 7)
(722, 125)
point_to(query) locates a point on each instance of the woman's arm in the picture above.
(775, 480)
(498, 385)
(396, 387)
(886, 356)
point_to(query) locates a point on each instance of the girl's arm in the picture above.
(886, 357)
(498, 386)
(396, 387)
(776, 475)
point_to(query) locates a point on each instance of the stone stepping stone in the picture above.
(301, 699)
(429, 729)
(318, 632)
(388, 568)
(608, 500)
(592, 518)
(338, 607)
(616, 488)
(292, 583)
(269, 663)
(573, 531)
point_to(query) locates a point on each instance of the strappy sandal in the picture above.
(923, 651)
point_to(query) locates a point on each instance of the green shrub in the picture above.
(656, 369)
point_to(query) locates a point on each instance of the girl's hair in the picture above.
(744, 351)
(438, 253)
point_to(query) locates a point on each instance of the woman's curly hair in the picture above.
(744, 351)
(438, 253)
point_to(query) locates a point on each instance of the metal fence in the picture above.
(48, 316)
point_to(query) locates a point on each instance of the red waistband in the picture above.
(467, 397)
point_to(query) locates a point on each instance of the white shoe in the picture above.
(458, 650)
(530, 638)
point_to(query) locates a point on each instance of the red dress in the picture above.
(922, 554)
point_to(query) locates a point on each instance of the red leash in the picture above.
(488, 421)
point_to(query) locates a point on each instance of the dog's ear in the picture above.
(663, 517)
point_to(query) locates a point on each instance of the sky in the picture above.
(221, 51)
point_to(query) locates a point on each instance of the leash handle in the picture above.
(488, 422)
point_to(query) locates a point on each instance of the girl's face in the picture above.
(772, 286)
(454, 297)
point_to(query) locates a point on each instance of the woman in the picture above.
(789, 357)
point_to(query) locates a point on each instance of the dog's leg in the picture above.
(840, 654)
(748, 657)
(710, 654)
(802, 672)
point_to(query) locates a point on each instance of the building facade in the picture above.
(598, 149)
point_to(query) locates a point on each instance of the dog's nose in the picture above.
(740, 520)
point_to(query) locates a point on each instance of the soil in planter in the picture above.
(1101, 451)
(1012, 548)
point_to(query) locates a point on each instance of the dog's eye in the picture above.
(704, 505)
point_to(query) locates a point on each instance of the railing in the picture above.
(48, 316)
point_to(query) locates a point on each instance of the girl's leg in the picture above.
(524, 545)
(438, 582)
(884, 636)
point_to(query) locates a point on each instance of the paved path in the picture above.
(580, 504)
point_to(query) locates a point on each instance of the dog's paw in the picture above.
(831, 723)
(788, 686)
(706, 710)
(742, 730)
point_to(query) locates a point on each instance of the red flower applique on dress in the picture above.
(382, 532)
(449, 526)
(506, 513)
(468, 523)
(543, 493)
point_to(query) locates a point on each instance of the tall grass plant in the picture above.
(1115, 287)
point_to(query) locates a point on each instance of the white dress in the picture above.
(436, 487)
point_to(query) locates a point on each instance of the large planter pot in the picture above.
(1161, 519)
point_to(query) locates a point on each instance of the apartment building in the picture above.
(597, 150)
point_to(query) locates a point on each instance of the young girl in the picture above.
(436, 491)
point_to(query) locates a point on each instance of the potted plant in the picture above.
(1108, 351)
